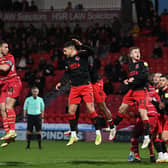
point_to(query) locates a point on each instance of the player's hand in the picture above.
(58, 85)
(77, 41)
(2, 60)
(161, 105)
(24, 119)
(42, 120)
(131, 79)
(126, 81)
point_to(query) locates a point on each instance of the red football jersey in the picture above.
(11, 74)
(153, 94)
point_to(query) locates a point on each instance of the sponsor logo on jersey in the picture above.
(137, 66)
(74, 66)
(77, 58)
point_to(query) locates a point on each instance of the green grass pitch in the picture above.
(80, 155)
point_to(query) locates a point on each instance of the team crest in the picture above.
(77, 58)
(137, 66)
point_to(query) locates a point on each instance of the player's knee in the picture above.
(90, 110)
(90, 107)
(101, 106)
(144, 117)
(9, 106)
(3, 112)
(143, 114)
(122, 109)
(165, 137)
(71, 111)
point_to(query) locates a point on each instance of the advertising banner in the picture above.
(59, 16)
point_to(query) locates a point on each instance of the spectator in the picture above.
(22, 63)
(157, 51)
(17, 6)
(51, 8)
(108, 87)
(48, 69)
(77, 30)
(17, 51)
(156, 26)
(108, 70)
(79, 7)
(42, 64)
(5, 5)
(147, 29)
(57, 53)
(39, 81)
(61, 63)
(29, 61)
(88, 34)
(25, 5)
(165, 12)
(114, 46)
(141, 22)
(129, 41)
(69, 6)
(29, 77)
(33, 7)
(54, 62)
(123, 59)
(103, 37)
(163, 37)
(119, 72)
(1, 24)
(135, 30)
(116, 26)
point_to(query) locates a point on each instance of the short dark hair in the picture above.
(69, 44)
(132, 48)
(2, 42)
(34, 87)
(163, 76)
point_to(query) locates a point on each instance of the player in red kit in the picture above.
(163, 118)
(10, 87)
(77, 73)
(156, 80)
(138, 129)
(137, 83)
(98, 93)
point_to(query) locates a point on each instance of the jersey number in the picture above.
(10, 89)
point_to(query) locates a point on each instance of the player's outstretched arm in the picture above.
(4, 67)
(89, 49)
(77, 42)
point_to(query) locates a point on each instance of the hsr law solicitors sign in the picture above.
(59, 16)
